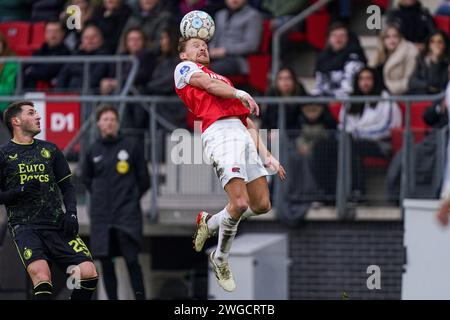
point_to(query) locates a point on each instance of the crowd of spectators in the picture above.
(411, 58)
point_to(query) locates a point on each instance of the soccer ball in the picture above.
(197, 24)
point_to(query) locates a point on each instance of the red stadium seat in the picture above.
(443, 23)
(374, 162)
(297, 36)
(384, 4)
(418, 126)
(259, 63)
(23, 52)
(37, 35)
(317, 28)
(17, 33)
(266, 37)
(335, 108)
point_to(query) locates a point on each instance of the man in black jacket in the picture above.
(115, 172)
(53, 46)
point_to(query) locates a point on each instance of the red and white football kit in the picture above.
(226, 141)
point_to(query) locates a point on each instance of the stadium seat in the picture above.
(316, 29)
(43, 86)
(259, 63)
(37, 35)
(23, 51)
(418, 126)
(335, 108)
(443, 23)
(17, 33)
(384, 4)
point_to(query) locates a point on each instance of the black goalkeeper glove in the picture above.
(69, 224)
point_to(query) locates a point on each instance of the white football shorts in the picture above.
(232, 151)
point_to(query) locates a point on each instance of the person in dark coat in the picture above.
(46, 10)
(71, 75)
(152, 17)
(111, 17)
(338, 63)
(431, 74)
(53, 46)
(133, 44)
(115, 173)
(286, 85)
(161, 82)
(415, 21)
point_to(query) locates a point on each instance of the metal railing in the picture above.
(344, 171)
(276, 39)
(86, 61)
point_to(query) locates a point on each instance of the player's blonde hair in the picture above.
(182, 44)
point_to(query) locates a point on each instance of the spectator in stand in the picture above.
(315, 124)
(443, 8)
(73, 36)
(15, 10)
(238, 33)
(369, 125)
(152, 18)
(415, 22)
(133, 44)
(8, 72)
(286, 85)
(282, 11)
(395, 60)
(111, 18)
(214, 6)
(46, 10)
(336, 66)
(161, 82)
(431, 74)
(53, 46)
(71, 75)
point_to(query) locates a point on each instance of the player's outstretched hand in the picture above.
(31, 190)
(273, 165)
(248, 101)
(443, 213)
(70, 224)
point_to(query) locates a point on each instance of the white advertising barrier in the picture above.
(427, 269)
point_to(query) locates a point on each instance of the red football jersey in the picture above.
(206, 107)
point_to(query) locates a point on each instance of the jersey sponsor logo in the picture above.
(45, 153)
(184, 69)
(97, 158)
(32, 171)
(236, 169)
(13, 157)
(27, 254)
